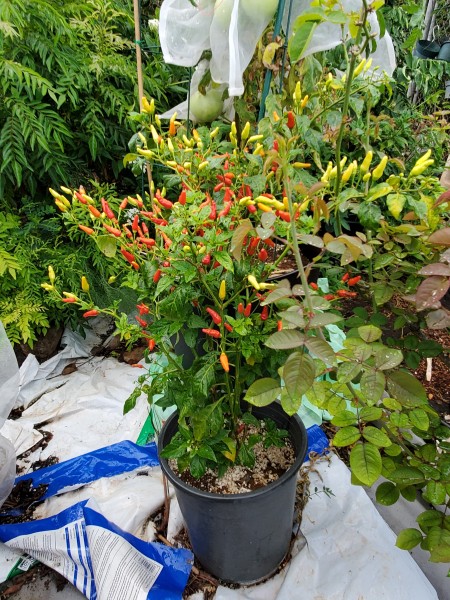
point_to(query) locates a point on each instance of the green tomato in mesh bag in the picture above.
(260, 7)
(222, 12)
(206, 107)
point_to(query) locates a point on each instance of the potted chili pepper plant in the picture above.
(198, 253)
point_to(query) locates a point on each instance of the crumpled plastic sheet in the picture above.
(186, 31)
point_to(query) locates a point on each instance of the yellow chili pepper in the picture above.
(245, 132)
(66, 190)
(70, 295)
(301, 165)
(47, 287)
(112, 279)
(347, 173)
(146, 153)
(367, 176)
(264, 208)
(170, 146)
(297, 95)
(51, 274)
(378, 171)
(253, 282)
(304, 101)
(276, 116)
(420, 160)
(359, 68)
(203, 165)
(366, 163)
(196, 135)
(255, 138)
(155, 135)
(222, 290)
(84, 284)
(213, 133)
(420, 168)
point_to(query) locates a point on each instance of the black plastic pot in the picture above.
(426, 49)
(444, 52)
(182, 349)
(241, 538)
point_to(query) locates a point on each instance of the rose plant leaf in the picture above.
(321, 349)
(373, 384)
(405, 388)
(430, 291)
(388, 358)
(320, 320)
(286, 340)
(387, 493)
(237, 241)
(347, 371)
(369, 333)
(299, 373)
(346, 436)
(438, 319)
(438, 540)
(435, 269)
(376, 437)
(276, 294)
(407, 476)
(365, 462)
(419, 419)
(408, 538)
(441, 237)
(263, 392)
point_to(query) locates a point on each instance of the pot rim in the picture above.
(291, 472)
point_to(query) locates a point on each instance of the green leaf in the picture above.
(373, 384)
(107, 245)
(263, 392)
(344, 418)
(378, 191)
(207, 452)
(429, 518)
(300, 39)
(299, 373)
(346, 436)
(407, 476)
(347, 371)
(387, 493)
(405, 388)
(365, 462)
(370, 413)
(320, 320)
(286, 339)
(382, 293)
(321, 349)
(369, 333)
(408, 539)
(277, 294)
(376, 437)
(197, 467)
(388, 358)
(395, 203)
(435, 492)
(439, 544)
(419, 419)
(225, 260)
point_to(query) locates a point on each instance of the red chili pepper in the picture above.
(224, 362)
(228, 196)
(228, 327)
(314, 286)
(212, 333)
(182, 198)
(345, 277)
(226, 165)
(206, 202)
(216, 264)
(269, 242)
(219, 186)
(107, 209)
(354, 280)
(252, 246)
(135, 224)
(163, 201)
(127, 255)
(87, 230)
(147, 241)
(157, 276)
(265, 313)
(90, 313)
(206, 259)
(112, 230)
(248, 310)
(214, 316)
(144, 228)
(127, 232)
(230, 175)
(252, 208)
(146, 213)
(143, 309)
(157, 221)
(290, 119)
(94, 211)
(123, 204)
(275, 166)
(240, 308)
(135, 265)
(225, 210)
(346, 294)
(329, 297)
(166, 263)
(227, 181)
(283, 215)
(141, 322)
(263, 255)
(80, 198)
(68, 300)
(275, 146)
(279, 325)
(213, 213)
(151, 344)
